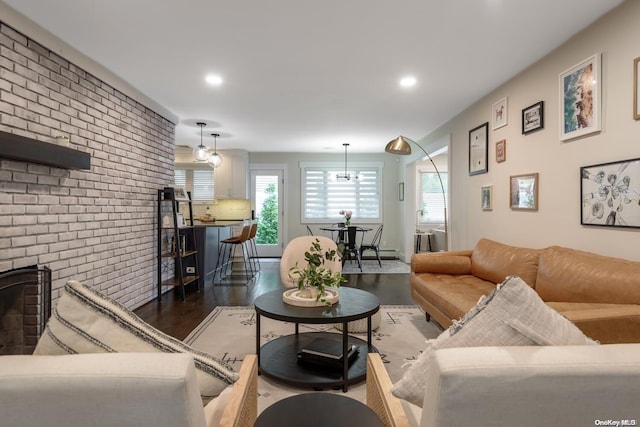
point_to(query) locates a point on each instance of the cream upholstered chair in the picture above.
(120, 389)
(294, 253)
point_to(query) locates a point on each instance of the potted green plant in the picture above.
(314, 279)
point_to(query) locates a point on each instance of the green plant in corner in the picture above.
(314, 278)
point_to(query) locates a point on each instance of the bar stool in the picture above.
(252, 245)
(229, 245)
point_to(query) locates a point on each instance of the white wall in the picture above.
(557, 222)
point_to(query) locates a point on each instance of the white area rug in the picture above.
(228, 333)
(389, 266)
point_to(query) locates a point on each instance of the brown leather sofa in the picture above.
(600, 295)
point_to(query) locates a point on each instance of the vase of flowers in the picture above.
(314, 279)
(347, 217)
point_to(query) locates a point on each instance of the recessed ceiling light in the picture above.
(213, 80)
(408, 81)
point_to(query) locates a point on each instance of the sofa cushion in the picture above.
(453, 295)
(495, 261)
(569, 275)
(512, 314)
(85, 321)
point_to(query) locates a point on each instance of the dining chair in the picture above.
(309, 231)
(374, 245)
(351, 247)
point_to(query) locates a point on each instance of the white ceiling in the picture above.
(303, 75)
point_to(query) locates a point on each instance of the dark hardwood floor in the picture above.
(177, 318)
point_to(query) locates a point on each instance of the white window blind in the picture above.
(200, 182)
(203, 185)
(324, 195)
(181, 178)
(431, 201)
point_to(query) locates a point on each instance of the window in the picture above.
(431, 201)
(324, 195)
(200, 182)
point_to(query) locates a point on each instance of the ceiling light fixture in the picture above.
(215, 159)
(213, 80)
(408, 81)
(201, 153)
(346, 175)
(401, 145)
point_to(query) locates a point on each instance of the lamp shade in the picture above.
(201, 153)
(400, 146)
(215, 160)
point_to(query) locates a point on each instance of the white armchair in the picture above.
(525, 386)
(119, 389)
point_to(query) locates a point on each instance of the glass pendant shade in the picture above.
(201, 153)
(215, 160)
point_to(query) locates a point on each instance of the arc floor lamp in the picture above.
(402, 146)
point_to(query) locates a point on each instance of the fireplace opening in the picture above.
(25, 308)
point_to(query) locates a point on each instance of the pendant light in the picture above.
(201, 153)
(215, 159)
(346, 175)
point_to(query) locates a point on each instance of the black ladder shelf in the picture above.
(176, 240)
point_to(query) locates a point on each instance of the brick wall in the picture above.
(95, 226)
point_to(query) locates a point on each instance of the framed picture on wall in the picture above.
(580, 99)
(501, 150)
(487, 197)
(636, 88)
(610, 194)
(478, 153)
(533, 118)
(523, 192)
(499, 114)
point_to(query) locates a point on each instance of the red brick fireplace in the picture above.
(25, 307)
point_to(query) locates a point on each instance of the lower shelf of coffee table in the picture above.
(279, 361)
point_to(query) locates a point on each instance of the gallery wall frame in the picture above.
(533, 118)
(523, 192)
(636, 88)
(610, 194)
(499, 114)
(580, 94)
(486, 197)
(501, 151)
(478, 149)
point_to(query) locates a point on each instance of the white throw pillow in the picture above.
(512, 314)
(86, 321)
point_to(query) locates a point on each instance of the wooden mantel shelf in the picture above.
(17, 147)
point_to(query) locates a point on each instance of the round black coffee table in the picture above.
(278, 359)
(318, 410)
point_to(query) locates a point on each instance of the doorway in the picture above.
(267, 204)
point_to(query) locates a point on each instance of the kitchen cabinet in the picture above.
(232, 177)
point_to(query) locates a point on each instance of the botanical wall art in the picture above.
(487, 197)
(499, 114)
(478, 153)
(580, 99)
(636, 88)
(524, 192)
(501, 150)
(533, 118)
(610, 194)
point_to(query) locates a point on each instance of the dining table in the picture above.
(342, 229)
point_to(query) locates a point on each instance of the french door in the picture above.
(268, 207)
